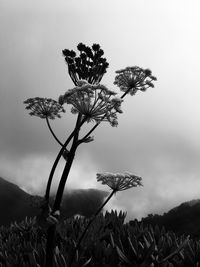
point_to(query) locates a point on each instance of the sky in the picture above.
(158, 133)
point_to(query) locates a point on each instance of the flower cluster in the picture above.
(95, 102)
(132, 79)
(44, 107)
(90, 65)
(119, 181)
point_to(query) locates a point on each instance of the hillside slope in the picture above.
(16, 204)
(183, 219)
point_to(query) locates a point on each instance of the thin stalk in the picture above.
(51, 232)
(47, 194)
(67, 168)
(52, 132)
(89, 223)
(125, 93)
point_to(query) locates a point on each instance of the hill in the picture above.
(16, 204)
(183, 219)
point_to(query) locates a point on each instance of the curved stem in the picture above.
(52, 132)
(68, 165)
(47, 194)
(89, 223)
(51, 232)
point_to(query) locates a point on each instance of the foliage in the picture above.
(110, 242)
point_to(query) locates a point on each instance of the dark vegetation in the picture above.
(109, 242)
(184, 219)
(16, 204)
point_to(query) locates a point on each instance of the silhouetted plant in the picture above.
(92, 102)
(117, 182)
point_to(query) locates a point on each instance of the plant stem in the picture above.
(126, 93)
(63, 179)
(68, 165)
(51, 233)
(52, 132)
(47, 194)
(89, 223)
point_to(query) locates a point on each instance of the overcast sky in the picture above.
(158, 136)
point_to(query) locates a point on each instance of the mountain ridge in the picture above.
(182, 219)
(16, 204)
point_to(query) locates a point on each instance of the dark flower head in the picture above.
(95, 47)
(100, 53)
(44, 107)
(82, 56)
(88, 52)
(72, 54)
(81, 47)
(66, 52)
(132, 79)
(89, 65)
(119, 181)
(78, 59)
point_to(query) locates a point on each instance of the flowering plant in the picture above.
(132, 79)
(91, 102)
(44, 107)
(119, 181)
(94, 102)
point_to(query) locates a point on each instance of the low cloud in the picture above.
(31, 173)
(169, 168)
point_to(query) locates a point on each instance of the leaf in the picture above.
(87, 262)
(132, 247)
(112, 240)
(122, 256)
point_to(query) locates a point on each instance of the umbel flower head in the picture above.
(89, 65)
(44, 107)
(95, 102)
(132, 79)
(119, 181)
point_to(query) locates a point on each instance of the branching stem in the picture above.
(47, 194)
(51, 232)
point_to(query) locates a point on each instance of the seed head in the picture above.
(119, 181)
(89, 65)
(132, 79)
(44, 107)
(95, 102)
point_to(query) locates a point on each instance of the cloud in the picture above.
(158, 133)
(167, 164)
(31, 172)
